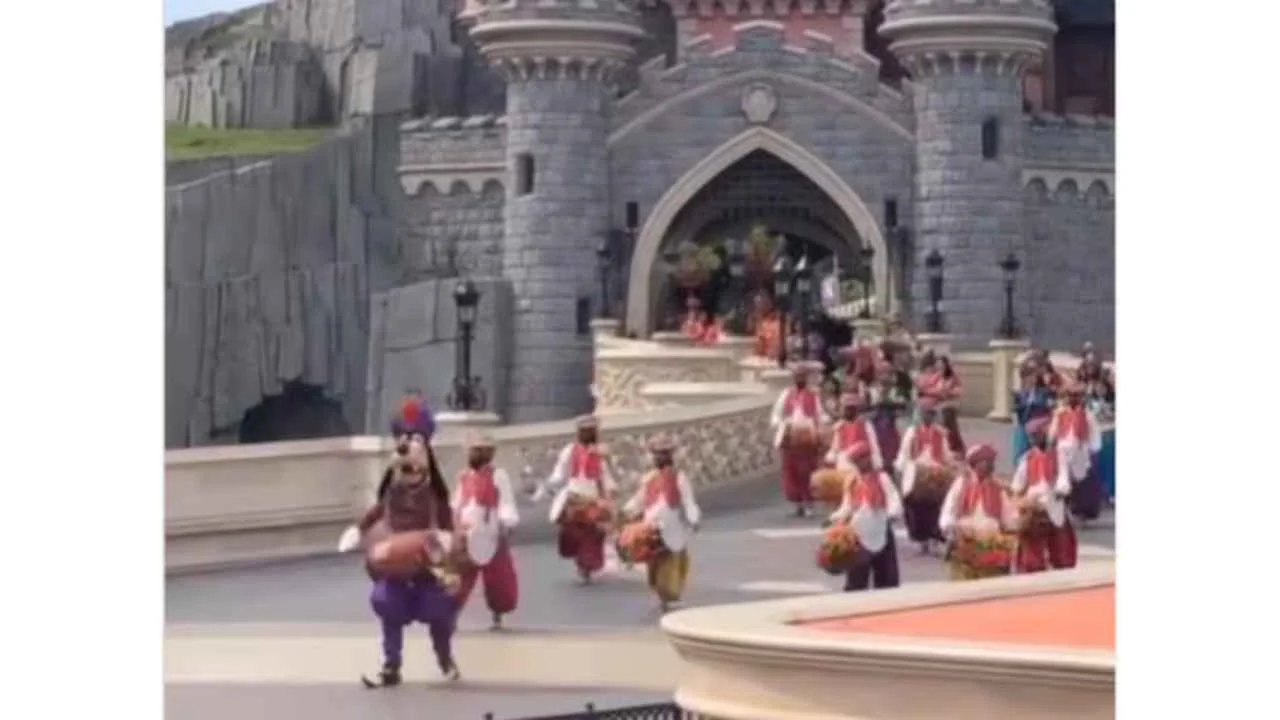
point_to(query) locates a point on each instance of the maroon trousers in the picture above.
(1044, 549)
(584, 544)
(501, 589)
(798, 466)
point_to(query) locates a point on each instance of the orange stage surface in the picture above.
(1084, 619)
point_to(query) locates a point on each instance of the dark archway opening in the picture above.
(299, 412)
(759, 191)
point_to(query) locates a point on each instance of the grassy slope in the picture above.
(185, 143)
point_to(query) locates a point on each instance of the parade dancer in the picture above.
(869, 506)
(415, 499)
(665, 499)
(887, 403)
(852, 428)
(1041, 485)
(976, 503)
(797, 418)
(1077, 435)
(485, 513)
(924, 447)
(581, 473)
(767, 327)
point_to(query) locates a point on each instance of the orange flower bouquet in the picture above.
(827, 485)
(984, 555)
(639, 542)
(839, 549)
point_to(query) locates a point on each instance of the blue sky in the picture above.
(175, 10)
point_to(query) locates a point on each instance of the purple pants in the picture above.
(399, 603)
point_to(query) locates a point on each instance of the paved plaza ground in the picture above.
(292, 639)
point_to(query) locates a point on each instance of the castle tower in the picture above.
(559, 58)
(967, 59)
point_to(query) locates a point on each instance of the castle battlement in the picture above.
(1070, 141)
(445, 150)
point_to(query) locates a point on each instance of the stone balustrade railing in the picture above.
(669, 370)
(252, 503)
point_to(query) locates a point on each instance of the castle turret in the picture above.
(967, 59)
(560, 58)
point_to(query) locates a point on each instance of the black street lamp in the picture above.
(1009, 325)
(933, 266)
(866, 253)
(782, 273)
(804, 295)
(737, 286)
(604, 256)
(468, 393)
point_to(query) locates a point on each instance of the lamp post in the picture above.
(782, 271)
(866, 253)
(671, 260)
(604, 257)
(737, 287)
(468, 394)
(804, 296)
(933, 266)
(1009, 266)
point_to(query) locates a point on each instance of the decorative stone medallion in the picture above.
(759, 103)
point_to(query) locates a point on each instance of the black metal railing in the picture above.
(657, 711)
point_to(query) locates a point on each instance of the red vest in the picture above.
(808, 403)
(585, 461)
(662, 484)
(930, 437)
(478, 485)
(975, 493)
(1072, 420)
(866, 490)
(850, 432)
(1042, 467)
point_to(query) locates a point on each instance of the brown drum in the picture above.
(827, 485)
(932, 482)
(801, 437)
(401, 555)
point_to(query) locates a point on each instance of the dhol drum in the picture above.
(579, 510)
(932, 481)
(639, 542)
(479, 538)
(801, 436)
(827, 485)
(405, 555)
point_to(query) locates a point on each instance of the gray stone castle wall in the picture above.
(550, 235)
(1070, 262)
(268, 272)
(875, 161)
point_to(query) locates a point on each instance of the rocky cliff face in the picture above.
(293, 63)
(268, 273)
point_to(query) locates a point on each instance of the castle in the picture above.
(507, 141)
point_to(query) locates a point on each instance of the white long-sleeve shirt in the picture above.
(508, 514)
(779, 420)
(976, 520)
(1051, 493)
(566, 483)
(908, 458)
(892, 501)
(1078, 456)
(688, 501)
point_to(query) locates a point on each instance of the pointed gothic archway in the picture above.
(659, 223)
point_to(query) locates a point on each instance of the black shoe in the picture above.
(450, 671)
(389, 676)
